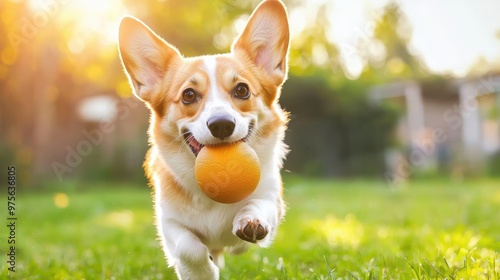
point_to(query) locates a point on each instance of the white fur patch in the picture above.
(211, 66)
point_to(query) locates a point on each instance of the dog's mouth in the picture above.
(196, 146)
(193, 144)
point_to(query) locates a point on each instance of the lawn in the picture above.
(333, 230)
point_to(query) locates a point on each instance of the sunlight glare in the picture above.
(88, 19)
(122, 219)
(61, 200)
(340, 232)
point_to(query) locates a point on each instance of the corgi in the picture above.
(211, 100)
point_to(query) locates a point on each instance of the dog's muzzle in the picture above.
(222, 125)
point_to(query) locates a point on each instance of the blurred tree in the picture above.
(395, 62)
(310, 50)
(334, 129)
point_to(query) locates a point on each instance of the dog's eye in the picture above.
(241, 91)
(189, 96)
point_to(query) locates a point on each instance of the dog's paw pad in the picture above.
(252, 232)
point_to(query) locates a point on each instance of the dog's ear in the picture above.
(265, 40)
(145, 57)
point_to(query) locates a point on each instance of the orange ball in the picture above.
(227, 173)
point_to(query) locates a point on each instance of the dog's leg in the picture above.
(217, 256)
(189, 256)
(257, 221)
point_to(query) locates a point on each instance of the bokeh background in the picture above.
(394, 135)
(380, 89)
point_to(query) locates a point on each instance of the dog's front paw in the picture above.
(252, 230)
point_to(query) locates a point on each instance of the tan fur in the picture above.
(193, 229)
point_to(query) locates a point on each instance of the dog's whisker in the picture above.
(189, 138)
(176, 139)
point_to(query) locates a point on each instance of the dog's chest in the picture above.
(214, 226)
(212, 222)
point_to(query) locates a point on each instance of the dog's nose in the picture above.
(221, 126)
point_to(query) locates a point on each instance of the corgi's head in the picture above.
(216, 99)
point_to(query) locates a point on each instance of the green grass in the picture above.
(333, 230)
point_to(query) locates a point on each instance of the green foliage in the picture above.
(333, 230)
(393, 32)
(311, 40)
(494, 165)
(334, 130)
